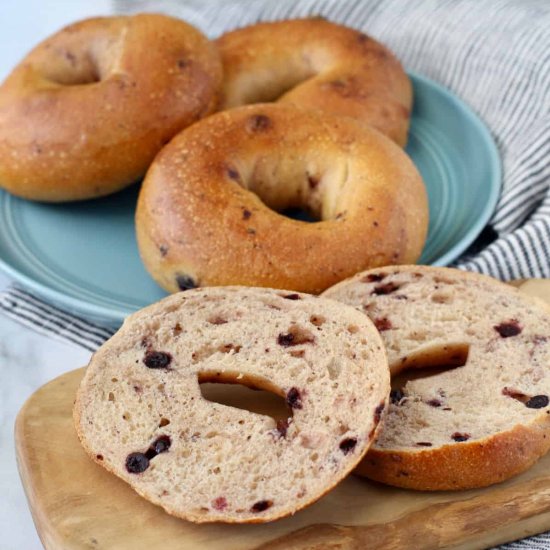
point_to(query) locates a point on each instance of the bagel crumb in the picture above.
(180, 435)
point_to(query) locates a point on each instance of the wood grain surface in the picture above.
(78, 505)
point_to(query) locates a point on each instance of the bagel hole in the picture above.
(76, 69)
(245, 394)
(429, 363)
(75, 78)
(300, 214)
(273, 85)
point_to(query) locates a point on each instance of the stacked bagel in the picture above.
(229, 134)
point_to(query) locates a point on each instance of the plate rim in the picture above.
(115, 316)
(494, 161)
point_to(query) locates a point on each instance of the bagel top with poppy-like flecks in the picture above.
(85, 112)
(209, 210)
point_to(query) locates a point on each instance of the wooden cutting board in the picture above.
(78, 505)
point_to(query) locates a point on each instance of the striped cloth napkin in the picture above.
(494, 54)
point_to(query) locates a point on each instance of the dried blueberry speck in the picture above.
(382, 324)
(233, 174)
(157, 359)
(162, 444)
(246, 214)
(285, 340)
(537, 402)
(434, 403)
(424, 444)
(374, 277)
(292, 297)
(259, 123)
(261, 506)
(508, 328)
(294, 398)
(282, 426)
(295, 336)
(458, 437)
(219, 504)
(347, 445)
(136, 463)
(384, 289)
(185, 282)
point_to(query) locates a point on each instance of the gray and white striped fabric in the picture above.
(494, 54)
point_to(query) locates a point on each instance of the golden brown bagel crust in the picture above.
(86, 111)
(205, 217)
(478, 464)
(321, 65)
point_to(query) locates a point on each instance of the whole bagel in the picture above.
(320, 65)
(84, 114)
(207, 211)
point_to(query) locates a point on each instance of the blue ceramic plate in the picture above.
(83, 256)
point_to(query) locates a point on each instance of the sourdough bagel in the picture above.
(85, 112)
(475, 424)
(206, 213)
(141, 415)
(317, 64)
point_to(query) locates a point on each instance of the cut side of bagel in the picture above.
(140, 412)
(470, 363)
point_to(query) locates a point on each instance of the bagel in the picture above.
(140, 413)
(207, 211)
(317, 64)
(470, 426)
(85, 112)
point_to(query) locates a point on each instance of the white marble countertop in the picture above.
(28, 360)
